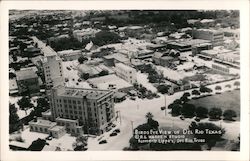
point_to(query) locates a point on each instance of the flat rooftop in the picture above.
(56, 128)
(25, 74)
(105, 81)
(82, 92)
(123, 66)
(42, 122)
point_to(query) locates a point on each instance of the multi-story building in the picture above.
(89, 110)
(27, 81)
(52, 64)
(83, 34)
(126, 72)
(216, 37)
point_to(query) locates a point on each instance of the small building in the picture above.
(157, 47)
(215, 36)
(126, 72)
(69, 55)
(45, 126)
(13, 88)
(110, 60)
(163, 59)
(119, 96)
(111, 82)
(27, 81)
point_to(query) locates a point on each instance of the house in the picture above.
(110, 82)
(111, 59)
(163, 59)
(126, 72)
(27, 81)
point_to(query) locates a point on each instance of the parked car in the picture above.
(182, 118)
(132, 98)
(197, 119)
(113, 134)
(103, 142)
(117, 131)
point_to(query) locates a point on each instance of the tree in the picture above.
(195, 92)
(188, 110)
(204, 89)
(12, 75)
(228, 85)
(85, 76)
(82, 59)
(43, 103)
(24, 103)
(103, 73)
(13, 117)
(237, 84)
(80, 143)
(105, 37)
(209, 131)
(215, 113)
(229, 114)
(149, 115)
(37, 145)
(176, 110)
(218, 88)
(201, 112)
(163, 89)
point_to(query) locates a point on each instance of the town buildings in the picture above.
(78, 109)
(126, 72)
(27, 81)
(69, 55)
(215, 36)
(84, 34)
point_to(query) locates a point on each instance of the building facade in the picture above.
(27, 81)
(90, 110)
(126, 72)
(216, 37)
(52, 66)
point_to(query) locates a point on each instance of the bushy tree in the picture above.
(195, 92)
(163, 89)
(82, 59)
(105, 37)
(237, 84)
(24, 103)
(13, 117)
(218, 88)
(207, 128)
(201, 112)
(176, 110)
(204, 89)
(85, 76)
(188, 110)
(215, 113)
(229, 115)
(103, 73)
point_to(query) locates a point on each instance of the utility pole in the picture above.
(132, 127)
(165, 105)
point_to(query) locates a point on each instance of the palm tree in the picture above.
(149, 115)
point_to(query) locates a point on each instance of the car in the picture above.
(132, 98)
(117, 130)
(163, 108)
(113, 134)
(103, 142)
(182, 118)
(197, 119)
(113, 125)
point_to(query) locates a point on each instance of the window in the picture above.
(74, 102)
(69, 101)
(79, 102)
(65, 101)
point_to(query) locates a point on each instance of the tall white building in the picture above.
(52, 64)
(126, 72)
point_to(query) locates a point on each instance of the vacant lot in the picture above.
(226, 100)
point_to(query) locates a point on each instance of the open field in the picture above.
(226, 100)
